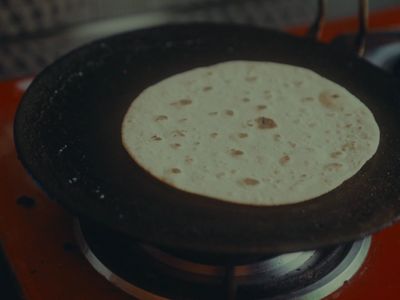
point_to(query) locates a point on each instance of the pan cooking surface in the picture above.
(67, 133)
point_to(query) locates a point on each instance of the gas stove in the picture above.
(54, 256)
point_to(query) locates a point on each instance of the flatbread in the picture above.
(250, 132)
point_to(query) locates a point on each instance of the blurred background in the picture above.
(33, 33)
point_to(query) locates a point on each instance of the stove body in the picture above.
(40, 246)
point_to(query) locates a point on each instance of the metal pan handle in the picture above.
(363, 12)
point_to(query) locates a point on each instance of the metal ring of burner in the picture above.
(323, 287)
(275, 266)
(338, 276)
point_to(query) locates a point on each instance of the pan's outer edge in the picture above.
(203, 224)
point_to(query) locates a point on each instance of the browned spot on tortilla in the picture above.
(181, 103)
(329, 100)
(293, 145)
(175, 170)
(349, 146)
(251, 78)
(265, 123)
(220, 174)
(303, 175)
(245, 99)
(333, 167)
(298, 83)
(277, 137)
(207, 88)
(284, 159)
(243, 135)
(302, 110)
(178, 133)
(209, 73)
(312, 125)
(185, 101)
(348, 125)
(250, 181)
(156, 138)
(261, 107)
(327, 131)
(214, 135)
(188, 160)
(267, 94)
(236, 152)
(276, 172)
(161, 118)
(214, 113)
(175, 146)
(336, 154)
(229, 112)
(233, 171)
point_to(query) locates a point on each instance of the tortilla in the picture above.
(248, 132)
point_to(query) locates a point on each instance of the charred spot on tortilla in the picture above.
(266, 123)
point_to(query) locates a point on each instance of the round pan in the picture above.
(68, 136)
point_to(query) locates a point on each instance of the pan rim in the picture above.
(228, 206)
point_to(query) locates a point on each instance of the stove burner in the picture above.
(272, 267)
(149, 273)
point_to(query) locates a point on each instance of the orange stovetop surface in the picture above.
(34, 238)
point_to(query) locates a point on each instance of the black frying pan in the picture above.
(67, 133)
